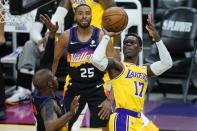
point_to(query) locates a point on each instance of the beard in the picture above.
(84, 25)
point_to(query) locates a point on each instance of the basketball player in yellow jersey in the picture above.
(98, 7)
(129, 81)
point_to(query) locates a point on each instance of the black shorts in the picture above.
(93, 98)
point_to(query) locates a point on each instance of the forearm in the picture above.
(54, 66)
(59, 122)
(165, 59)
(47, 59)
(99, 59)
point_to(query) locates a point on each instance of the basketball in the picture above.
(114, 19)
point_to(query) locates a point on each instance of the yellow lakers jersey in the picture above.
(130, 87)
(97, 10)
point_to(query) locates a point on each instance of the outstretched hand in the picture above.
(74, 105)
(47, 21)
(106, 108)
(151, 29)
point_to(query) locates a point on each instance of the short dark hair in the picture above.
(41, 78)
(83, 5)
(135, 35)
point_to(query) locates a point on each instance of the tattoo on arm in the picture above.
(114, 64)
(114, 67)
(49, 111)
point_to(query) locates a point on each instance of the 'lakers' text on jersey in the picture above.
(130, 87)
(97, 10)
(78, 56)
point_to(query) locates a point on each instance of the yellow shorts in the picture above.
(123, 122)
(151, 127)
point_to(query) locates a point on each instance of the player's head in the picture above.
(83, 15)
(44, 79)
(132, 45)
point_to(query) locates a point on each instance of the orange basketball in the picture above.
(114, 19)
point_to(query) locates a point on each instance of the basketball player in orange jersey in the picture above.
(129, 81)
(85, 80)
(49, 114)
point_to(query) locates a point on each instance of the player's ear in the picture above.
(50, 83)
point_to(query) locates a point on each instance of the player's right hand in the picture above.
(74, 105)
(47, 21)
(111, 34)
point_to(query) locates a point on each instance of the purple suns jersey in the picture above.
(78, 56)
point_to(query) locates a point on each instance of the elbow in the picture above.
(100, 64)
(169, 64)
(94, 60)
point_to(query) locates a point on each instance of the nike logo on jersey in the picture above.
(72, 43)
(97, 86)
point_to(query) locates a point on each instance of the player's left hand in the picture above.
(47, 21)
(105, 110)
(151, 29)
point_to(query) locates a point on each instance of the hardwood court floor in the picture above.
(10, 127)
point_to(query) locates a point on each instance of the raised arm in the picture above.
(61, 45)
(60, 48)
(50, 118)
(103, 63)
(110, 51)
(159, 67)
